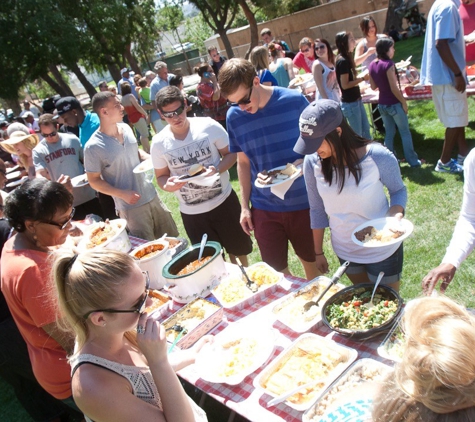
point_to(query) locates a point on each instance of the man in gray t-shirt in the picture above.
(61, 154)
(111, 154)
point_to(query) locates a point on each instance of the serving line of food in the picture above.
(266, 346)
(270, 359)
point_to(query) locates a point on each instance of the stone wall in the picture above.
(323, 21)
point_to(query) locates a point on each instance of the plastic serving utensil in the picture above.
(177, 339)
(202, 246)
(370, 304)
(341, 270)
(249, 283)
(282, 397)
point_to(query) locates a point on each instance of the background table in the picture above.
(244, 398)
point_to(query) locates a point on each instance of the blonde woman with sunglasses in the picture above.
(120, 367)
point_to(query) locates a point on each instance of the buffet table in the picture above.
(244, 398)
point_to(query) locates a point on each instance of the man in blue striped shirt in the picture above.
(263, 126)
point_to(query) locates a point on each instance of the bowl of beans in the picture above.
(347, 313)
(188, 278)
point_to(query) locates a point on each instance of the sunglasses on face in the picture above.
(64, 225)
(171, 114)
(244, 101)
(320, 47)
(49, 135)
(305, 51)
(138, 309)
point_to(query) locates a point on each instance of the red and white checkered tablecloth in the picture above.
(373, 96)
(244, 398)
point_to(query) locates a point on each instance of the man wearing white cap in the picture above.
(125, 73)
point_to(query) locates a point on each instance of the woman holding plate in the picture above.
(346, 176)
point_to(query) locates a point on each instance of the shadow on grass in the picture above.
(425, 175)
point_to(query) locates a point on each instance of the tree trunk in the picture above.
(14, 105)
(57, 75)
(227, 43)
(53, 84)
(114, 71)
(132, 60)
(392, 18)
(91, 91)
(190, 72)
(252, 25)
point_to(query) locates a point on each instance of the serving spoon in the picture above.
(370, 304)
(341, 270)
(253, 287)
(202, 246)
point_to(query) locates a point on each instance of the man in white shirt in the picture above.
(463, 238)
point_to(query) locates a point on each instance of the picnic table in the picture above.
(244, 398)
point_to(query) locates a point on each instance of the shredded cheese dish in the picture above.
(234, 289)
(239, 355)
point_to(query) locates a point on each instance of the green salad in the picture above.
(352, 315)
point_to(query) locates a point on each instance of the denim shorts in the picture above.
(392, 267)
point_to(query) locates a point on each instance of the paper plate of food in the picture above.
(79, 181)
(277, 176)
(195, 172)
(403, 64)
(144, 166)
(300, 80)
(239, 350)
(382, 232)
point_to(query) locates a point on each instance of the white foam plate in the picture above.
(144, 166)
(79, 181)
(10, 169)
(197, 177)
(213, 356)
(301, 79)
(17, 182)
(403, 64)
(279, 182)
(13, 175)
(381, 223)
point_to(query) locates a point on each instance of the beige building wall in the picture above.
(323, 21)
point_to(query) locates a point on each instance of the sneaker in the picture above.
(451, 167)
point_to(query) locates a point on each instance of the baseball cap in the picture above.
(65, 104)
(124, 70)
(317, 120)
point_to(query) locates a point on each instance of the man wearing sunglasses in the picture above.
(263, 126)
(207, 201)
(110, 157)
(61, 154)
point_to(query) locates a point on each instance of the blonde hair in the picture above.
(260, 58)
(436, 379)
(29, 143)
(86, 282)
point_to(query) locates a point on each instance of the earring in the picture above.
(104, 324)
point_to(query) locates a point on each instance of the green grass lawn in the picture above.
(433, 206)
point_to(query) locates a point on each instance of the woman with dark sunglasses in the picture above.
(324, 72)
(306, 56)
(120, 356)
(40, 211)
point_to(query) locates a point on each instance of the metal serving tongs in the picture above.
(251, 285)
(341, 270)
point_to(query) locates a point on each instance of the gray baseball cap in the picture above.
(317, 120)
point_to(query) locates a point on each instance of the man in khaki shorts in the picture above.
(443, 67)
